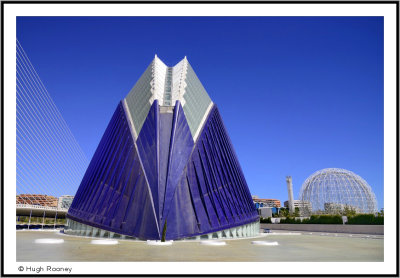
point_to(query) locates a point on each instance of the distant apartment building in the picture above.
(37, 199)
(271, 203)
(299, 204)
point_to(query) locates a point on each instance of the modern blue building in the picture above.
(165, 162)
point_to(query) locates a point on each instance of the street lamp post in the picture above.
(29, 223)
(44, 214)
(55, 219)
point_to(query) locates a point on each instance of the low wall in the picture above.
(327, 228)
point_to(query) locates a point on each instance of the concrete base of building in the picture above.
(247, 230)
(79, 229)
(328, 228)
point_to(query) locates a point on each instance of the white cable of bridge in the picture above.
(36, 117)
(22, 180)
(31, 121)
(32, 149)
(26, 173)
(48, 155)
(58, 119)
(24, 188)
(43, 117)
(23, 177)
(28, 155)
(40, 99)
(34, 141)
(52, 107)
(25, 157)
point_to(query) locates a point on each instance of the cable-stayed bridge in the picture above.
(50, 162)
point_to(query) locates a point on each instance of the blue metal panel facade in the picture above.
(180, 148)
(212, 194)
(132, 188)
(114, 194)
(148, 147)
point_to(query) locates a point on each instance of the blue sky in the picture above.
(297, 94)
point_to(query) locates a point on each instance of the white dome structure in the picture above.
(333, 190)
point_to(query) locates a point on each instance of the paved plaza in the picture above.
(292, 246)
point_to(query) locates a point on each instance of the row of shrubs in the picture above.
(365, 219)
(265, 220)
(359, 219)
(314, 219)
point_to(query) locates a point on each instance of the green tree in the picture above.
(296, 212)
(349, 211)
(284, 212)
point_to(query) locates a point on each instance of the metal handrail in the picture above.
(39, 207)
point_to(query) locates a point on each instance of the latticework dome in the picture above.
(333, 190)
